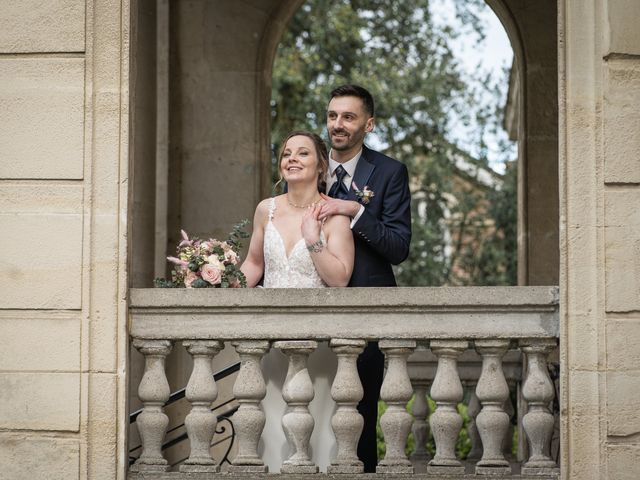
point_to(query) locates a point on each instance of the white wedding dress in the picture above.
(295, 271)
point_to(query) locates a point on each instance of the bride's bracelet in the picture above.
(316, 247)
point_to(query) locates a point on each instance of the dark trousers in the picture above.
(371, 371)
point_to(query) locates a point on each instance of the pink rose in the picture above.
(235, 283)
(190, 278)
(231, 257)
(211, 274)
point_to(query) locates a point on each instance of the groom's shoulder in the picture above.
(381, 160)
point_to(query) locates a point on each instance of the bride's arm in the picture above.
(333, 260)
(253, 266)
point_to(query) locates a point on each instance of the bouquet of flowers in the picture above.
(207, 263)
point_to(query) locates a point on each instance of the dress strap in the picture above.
(272, 208)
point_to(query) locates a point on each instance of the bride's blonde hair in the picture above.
(321, 153)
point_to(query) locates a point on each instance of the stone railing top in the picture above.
(369, 313)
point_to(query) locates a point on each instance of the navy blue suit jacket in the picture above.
(382, 234)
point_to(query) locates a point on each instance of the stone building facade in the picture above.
(95, 124)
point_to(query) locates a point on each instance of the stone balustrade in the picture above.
(434, 340)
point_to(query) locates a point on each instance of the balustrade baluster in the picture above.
(154, 392)
(538, 391)
(473, 410)
(447, 392)
(420, 427)
(507, 441)
(347, 391)
(298, 392)
(249, 389)
(492, 421)
(396, 391)
(201, 392)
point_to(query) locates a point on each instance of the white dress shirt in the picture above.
(350, 167)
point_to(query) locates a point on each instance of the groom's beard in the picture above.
(346, 142)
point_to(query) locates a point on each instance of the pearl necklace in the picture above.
(302, 206)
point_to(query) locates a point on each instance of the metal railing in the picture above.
(179, 395)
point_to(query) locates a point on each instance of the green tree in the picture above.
(404, 57)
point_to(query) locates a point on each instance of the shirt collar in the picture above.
(350, 165)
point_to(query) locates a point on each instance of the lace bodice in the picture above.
(296, 271)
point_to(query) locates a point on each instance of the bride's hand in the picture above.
(310, 227)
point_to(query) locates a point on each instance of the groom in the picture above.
(373, 190)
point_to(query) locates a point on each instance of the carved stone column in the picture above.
(298, 392)
(473, 410)
(538, 391)
(447, 392)
(396, 391)
(492, 421)
(420, 427)
(154, 392)
(347, 391)
(201, 392)
(249, 390)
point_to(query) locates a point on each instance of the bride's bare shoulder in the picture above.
(262, 210)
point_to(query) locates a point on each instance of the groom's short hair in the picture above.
(355, 91)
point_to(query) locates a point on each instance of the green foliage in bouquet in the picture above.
(207, 263)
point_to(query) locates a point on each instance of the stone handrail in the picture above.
(446, 320)
(368, 313)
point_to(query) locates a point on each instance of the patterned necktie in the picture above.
(339, 189)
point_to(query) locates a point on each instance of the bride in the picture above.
(291, 248)
(289, 245)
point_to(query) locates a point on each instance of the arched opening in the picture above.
(210, 137)
(200, 139)
(440, 101)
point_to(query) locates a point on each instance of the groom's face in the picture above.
(347, 123)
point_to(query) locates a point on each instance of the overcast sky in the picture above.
(492, 54)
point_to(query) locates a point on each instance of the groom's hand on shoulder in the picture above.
(335, 206)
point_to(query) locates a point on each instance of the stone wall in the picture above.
(63, 200)
(217, 151)
(600, 190)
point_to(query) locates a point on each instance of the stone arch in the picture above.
(272, 36)
(532, 33)
(218, 113)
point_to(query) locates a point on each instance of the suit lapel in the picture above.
(363, 172)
